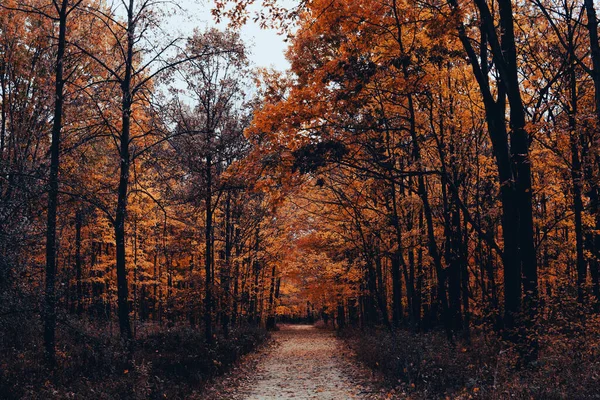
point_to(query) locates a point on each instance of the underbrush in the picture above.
(93, 364)
(427, 366)
(320, 324)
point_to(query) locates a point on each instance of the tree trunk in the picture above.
(519, 259)
(341, 315)
(125, 164)
(208, 252)
(78, 272)
(236, 282)
(226, 270)
(590, 172)
(381, 292)
(271, 316)
(397, 262)
(519, 149)
(576, 178)
(50, 295)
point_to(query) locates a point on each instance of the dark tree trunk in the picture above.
(442, 300)
(226, 270)
(576, 177)
(155, 275)
(592, 26)
(341, 315)
(50, 295)
(590, 172)
(519, 258)
(418, 298)
(381, 292)
(454, 245)
(3, 113)
(370, 298)
(464, 275)
(255, 275)
(236, 280)
(208, 251)
(78, 272)
(135, 276)
(191, 286)
(519, 148)
(125, 164)
(396, 290)
(271, 316)
(398, 262)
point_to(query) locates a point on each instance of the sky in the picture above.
(266, 46)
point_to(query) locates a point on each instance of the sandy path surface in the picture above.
(305, 363)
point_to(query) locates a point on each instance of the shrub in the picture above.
(426, 365)
(167, 363)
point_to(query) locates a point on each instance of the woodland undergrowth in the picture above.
(168, 362)
(425, 365)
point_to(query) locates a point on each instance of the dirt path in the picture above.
(305, 364)
(302, 363)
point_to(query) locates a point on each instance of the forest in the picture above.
(410, 211)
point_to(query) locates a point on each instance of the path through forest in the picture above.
(303, 363)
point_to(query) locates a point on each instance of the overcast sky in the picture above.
(267, 47)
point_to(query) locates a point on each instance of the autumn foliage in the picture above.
(426, 170)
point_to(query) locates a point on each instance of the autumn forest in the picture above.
(411, 210)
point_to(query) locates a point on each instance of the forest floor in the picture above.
(301, 362)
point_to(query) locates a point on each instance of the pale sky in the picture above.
(266, 46)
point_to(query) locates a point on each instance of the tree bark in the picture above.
(125, 164)
(226, 270)
(50, 294)
(78, 272)
(593, 192)
(208, 251)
